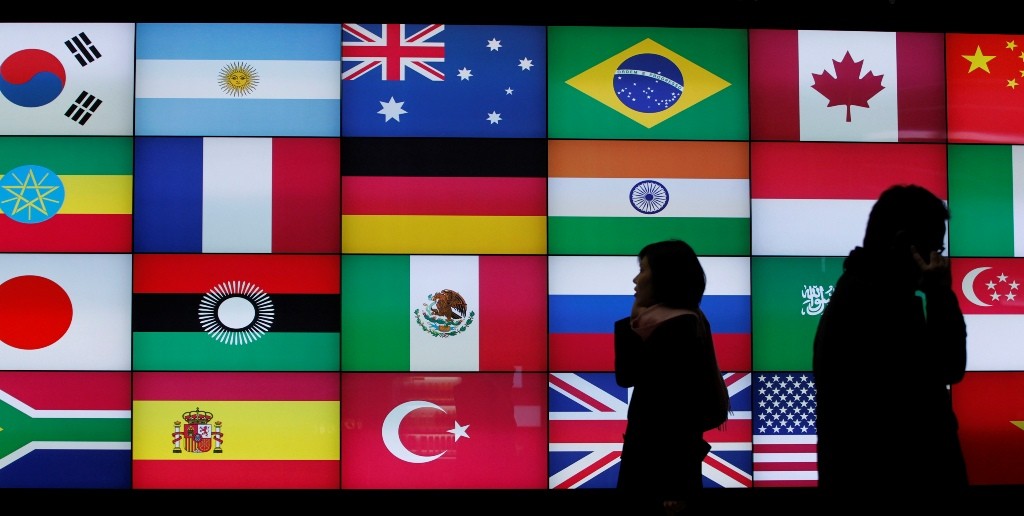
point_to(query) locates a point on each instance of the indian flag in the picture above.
(813, 199)
(986, 200)
(613, 197)
(443, 313)
(989, 290)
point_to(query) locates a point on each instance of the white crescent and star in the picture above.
(968, 285)
(392, 440)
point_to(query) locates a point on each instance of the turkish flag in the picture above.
(444, 431)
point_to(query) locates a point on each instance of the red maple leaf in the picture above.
(847, 87)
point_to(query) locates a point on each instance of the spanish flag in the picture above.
(236, 430)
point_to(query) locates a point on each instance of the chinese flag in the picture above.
(990, 409)
(985, 88)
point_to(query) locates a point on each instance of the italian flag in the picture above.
(443, 313)
(986, 200)
(813, 199)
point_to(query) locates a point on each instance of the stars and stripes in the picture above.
(785, 430)
(392, 51)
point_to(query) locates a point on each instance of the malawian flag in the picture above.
(238, 79)
(452, 196)
(785, 429)
(66, 78)
(587, 294)
(443, 431)
(788, 296)
(65, 312)
(66, 194)
(235, 430)
(813, 199)
(443, 313)
(235, 312)
(443, 80)
(65, 430)
(237, 195)
(992, 300)
(587, 417)
(982, 77)
(990, 410)
(647, 83)
(816, 85)
(986, 194)
(614, 197)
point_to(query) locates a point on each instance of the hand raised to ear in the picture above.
(935, 271)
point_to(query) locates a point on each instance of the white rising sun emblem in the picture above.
(238, 79)
(236, 312)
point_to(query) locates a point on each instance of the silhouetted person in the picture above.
(884, 361)
(664, 351)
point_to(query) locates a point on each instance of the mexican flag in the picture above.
(443, 313)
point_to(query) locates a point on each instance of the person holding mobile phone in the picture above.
(888, 347)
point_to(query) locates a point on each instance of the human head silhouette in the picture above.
(904, 216)
(677, 276)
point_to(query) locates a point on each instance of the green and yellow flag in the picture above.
(647, 83)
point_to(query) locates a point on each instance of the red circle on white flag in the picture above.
(34, 312)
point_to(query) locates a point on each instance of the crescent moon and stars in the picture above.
(393, 442)
(967, 286)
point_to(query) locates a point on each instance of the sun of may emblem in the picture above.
(238, 79)
(444, 314)
(236, 312)
(31, 194)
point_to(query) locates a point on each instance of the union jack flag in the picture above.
(785, 430)
(587, 417)
(392, 51)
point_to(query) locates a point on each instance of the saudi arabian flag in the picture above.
(986, 200)
(647, 83)
(788, 296)
(443, 313)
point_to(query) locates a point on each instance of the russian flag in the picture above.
(587, 294)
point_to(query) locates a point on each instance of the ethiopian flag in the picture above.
(236, 430)
(66, 194)
(647, 83)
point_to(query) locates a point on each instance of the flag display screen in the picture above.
(359, 256)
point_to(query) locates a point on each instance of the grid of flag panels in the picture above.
(389, 256)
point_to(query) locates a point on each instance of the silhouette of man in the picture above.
(884, 361)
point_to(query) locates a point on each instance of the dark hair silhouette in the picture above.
(907, 215)
(677, 277)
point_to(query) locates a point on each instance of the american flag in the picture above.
(391, 50)
(785, 433)
(588, 417)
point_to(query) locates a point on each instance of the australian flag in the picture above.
(587, 417)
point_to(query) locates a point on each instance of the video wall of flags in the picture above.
(365, 256)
